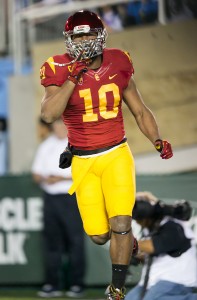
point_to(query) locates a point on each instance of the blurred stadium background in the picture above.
(162, 42)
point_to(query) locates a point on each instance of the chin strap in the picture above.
(121, 232)
(64, 65)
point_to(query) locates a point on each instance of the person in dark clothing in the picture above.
(167, 248)
(63, 229)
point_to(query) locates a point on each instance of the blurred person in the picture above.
(177, 10)
(111, 18)
(86, 87)
(142, 12)
(192, 5)
(167, 249)
(63, 230)
(148, 11)
(44, 129)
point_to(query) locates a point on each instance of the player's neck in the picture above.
(96, 62)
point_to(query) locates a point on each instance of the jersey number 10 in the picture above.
(90, 116)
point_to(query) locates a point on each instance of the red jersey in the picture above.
(93, 115)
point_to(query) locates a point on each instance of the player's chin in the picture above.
(89, 61)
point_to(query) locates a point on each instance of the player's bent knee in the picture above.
(100, 239)
(120, 224)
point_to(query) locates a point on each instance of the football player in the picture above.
(86, 86)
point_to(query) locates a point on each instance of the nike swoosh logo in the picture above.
(110, 77)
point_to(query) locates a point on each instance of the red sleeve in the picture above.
(54, 71)
(129, 63)
(127, 66)
(122, 62)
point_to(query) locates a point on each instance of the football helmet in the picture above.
(86, 22)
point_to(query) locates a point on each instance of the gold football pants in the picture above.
(106, 187)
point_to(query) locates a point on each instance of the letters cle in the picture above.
(18, 217)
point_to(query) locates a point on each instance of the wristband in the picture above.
(158, 145)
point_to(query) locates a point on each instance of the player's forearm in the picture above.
(147, 124)
(54, 104)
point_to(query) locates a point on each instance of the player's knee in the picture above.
(120, 223)
(100, 239)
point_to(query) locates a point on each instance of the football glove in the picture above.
(78, 68)
(164, 148)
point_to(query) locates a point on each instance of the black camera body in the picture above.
(144, 209)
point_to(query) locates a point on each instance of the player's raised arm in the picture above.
(56, 98)
(55, 101)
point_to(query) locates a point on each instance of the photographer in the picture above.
(167, 250)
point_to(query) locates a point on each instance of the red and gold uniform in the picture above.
(93, 115)
(94, 120)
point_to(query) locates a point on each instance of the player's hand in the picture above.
(164, 148)
(78, 68)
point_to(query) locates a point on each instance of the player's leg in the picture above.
(118, 183)
(91, 203)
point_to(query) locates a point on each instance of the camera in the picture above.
(144, 209)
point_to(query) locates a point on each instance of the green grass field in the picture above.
(29, 294)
